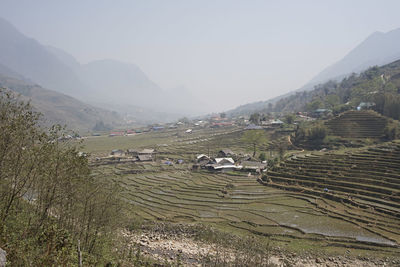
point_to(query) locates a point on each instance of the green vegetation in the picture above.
(255, 138)
(378, 85)
(290, 118)
(49, 200)
(358, 124)
(311, 137)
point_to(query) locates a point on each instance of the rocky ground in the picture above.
(190, 252)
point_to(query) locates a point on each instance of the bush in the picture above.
(390, 132)
(317, 133)
(262, 156)
(310, 137)
(290, 118)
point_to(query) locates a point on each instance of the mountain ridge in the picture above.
(378, 49)
(105, 80)
(58, 108)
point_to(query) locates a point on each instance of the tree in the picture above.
(317, 134)
(282, 147)
(254, 138)
(222, 115)
(100, 126)
(290, 118)
(47, 193)
(255, 118)
(390, 132)
(315, 104)
(184, 120)
(332, 101)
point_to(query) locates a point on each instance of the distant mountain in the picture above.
(126, 88)
(103, 81)
(32, 60)
(117, 82)
(377, 50)
(60, 108)
(5, 71)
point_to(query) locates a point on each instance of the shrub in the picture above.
(262, 156)
(390, 132)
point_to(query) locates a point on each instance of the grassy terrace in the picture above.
(363, 187)
(299, 217)
(173, 141)
(360, 124)
(240, 204)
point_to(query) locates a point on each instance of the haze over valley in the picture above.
(200, 133)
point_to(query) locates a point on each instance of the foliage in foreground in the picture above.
(48, 198)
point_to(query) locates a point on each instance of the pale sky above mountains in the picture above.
(227, 52)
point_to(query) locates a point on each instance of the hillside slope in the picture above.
(60, 108)
(112, 82)
(358, 124)
(380, 85)
(118, 82)
(32, 60)
(361, 186)
(377, 50)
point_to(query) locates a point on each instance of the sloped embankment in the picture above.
(362, 187)
(358, 124)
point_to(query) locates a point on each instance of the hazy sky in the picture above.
(225, 51)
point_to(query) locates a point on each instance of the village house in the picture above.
(224, 161)
(146, 151)
(117, 153)
(145, 158)
(365, 105)
(130, 132)
(276, 123)
(157, 128)
(223, 164)
(253, 166)
(201, 161)
(321, 112)
(112, 134)
(146, 154)
(132, 152)
(253, 127)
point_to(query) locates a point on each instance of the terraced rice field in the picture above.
(174, 141)
(236, 203)
(361, 187)
(361, 209)
(175, 144)
(358, 124)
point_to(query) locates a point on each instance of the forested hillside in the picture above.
(377, 85)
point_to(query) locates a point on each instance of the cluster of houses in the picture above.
(124, 133)
(225, 161)
(139, 155)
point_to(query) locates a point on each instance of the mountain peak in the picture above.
(377, 49)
